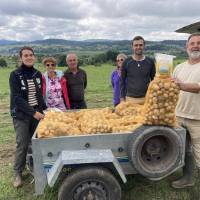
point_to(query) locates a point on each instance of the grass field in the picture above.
(98, 94)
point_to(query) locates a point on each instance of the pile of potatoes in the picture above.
(159, 109)
(122, 124)
(86, 121)
(160, 102)
(127, 108)
(94, 122)
(57, 124)
(49, 129)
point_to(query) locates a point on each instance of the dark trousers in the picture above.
(78, 104)
(24, 131)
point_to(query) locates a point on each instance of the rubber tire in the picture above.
(89, 174)
(136, 144)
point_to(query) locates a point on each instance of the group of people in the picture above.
(64, 90)
(32, 92)
(130, 82)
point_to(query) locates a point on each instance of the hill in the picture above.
(60, 46)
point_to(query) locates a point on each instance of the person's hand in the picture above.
(178, 82)
(38, 116)
(184, 86)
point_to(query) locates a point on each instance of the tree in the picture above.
(111, 55)
(3, 63)
(98, 59)
(62, 60)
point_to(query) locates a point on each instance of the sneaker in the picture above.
(18, 181)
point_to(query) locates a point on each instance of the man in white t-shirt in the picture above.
(187, 77)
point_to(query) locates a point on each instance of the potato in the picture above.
(167, 85)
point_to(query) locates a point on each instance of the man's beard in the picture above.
(139, 52)
(194, 54)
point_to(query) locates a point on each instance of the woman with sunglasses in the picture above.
(54, 86)
(115, 78)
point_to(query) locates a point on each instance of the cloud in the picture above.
(70, 9)
(169, 8)
(106, 19)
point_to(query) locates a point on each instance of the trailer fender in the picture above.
(83, 157)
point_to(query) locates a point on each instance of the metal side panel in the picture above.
(54, 172)
(53, 146)
(39, 172)
(83, 157)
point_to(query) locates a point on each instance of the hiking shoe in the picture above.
(182, 183)
(18, 181)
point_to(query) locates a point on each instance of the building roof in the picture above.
(192, 28)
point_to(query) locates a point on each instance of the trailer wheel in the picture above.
(154, 151)
(90, 183)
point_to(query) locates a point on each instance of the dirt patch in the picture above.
(7, 153)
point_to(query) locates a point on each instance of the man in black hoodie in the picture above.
(26, 106)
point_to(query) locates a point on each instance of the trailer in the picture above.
(92, 167)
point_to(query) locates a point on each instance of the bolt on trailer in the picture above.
(94, 165)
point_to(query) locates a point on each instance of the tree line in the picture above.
(96, 59)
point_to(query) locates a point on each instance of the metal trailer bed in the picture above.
(153, 151)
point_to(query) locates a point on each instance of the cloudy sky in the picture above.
(96, 19)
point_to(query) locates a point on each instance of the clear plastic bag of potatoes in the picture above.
(162, 95)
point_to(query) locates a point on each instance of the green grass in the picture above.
(4, 81)
(98, 94)
(99, 91)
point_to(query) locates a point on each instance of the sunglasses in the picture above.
(120, 60)
(52, 65)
